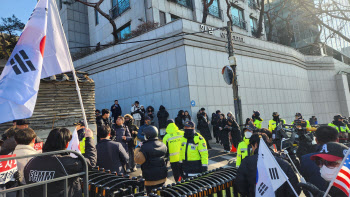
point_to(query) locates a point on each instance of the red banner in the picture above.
(38, 146)
(7, 169)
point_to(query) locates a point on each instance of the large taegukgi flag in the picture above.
(41, 51)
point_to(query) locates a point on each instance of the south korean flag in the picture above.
(269, 175)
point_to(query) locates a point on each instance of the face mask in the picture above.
(328, 173)
(248, 134)
(189, 133)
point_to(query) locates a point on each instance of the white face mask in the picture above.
(328, 173)
(248, 134)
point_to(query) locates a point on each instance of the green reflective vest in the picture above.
(272, 124)
(343, 129)
(307, 123)
(196, 151)
(243, 150)
(258, 123)
(173, 141)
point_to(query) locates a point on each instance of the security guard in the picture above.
(80, 127)
(244, 148)
(298, 116)
(275, 121)
(172, 140)
(193, 152)
(257, 120)
(341, 127)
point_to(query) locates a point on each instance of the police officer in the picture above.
(172, 140)
(341, 127)
(151, 157)
(257, 120)
(80, 127)
(244, 148)
(298, 116)
(275, 121)
(193, 152)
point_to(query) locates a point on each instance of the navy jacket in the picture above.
(121, 131)
(111, 155)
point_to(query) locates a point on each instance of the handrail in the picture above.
(65, 178)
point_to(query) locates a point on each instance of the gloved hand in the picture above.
(308, 187)
(204, 168)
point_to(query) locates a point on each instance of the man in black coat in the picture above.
(246, 174)
(116, 110)
(111, 155)
(104, 121)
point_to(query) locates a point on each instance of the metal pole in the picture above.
(237, 99)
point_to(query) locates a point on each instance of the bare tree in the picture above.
(206, 6)
(96, 6)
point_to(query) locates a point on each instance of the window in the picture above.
(162, 18)
(237, 17)
(254, 25)
(96, 18)
(124, 32)
(252, 4)
(59, 4)
(186, 3)
(119, 7)
(214, 9)
(174, 17)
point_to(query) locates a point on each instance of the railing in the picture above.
(252, 4)
(239, 22)
(254, 32)
(120, 8)
(44, 183)
(185, 3)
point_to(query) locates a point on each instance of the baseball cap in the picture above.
(22, 122)
(332, 151)
(189, 124)
(147, 118)
(202, 109)
(81, 123)
(275, 114)
(339, 116)
(298, 114)
(170, 121)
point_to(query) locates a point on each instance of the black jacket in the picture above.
(154, 168)
(54, 166)
(162, 117)
(104, 122)
(116, 110)
(179, 120)
(246, 177)
(121, 131)
(111, 155)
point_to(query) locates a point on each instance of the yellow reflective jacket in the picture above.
(258, 123)
(343, 129)
(243, 150)
(272, 124)
(82, 145)
(172, 140)
(307, 123)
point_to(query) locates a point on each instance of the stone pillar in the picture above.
(343, 94)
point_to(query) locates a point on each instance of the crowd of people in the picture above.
(123, 142)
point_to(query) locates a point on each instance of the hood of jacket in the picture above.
(161, 108)
(150, 107)
(179, 114)
(172, 128)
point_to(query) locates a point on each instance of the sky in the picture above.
(22, 9)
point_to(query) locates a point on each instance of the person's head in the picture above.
(22, 124)
(14, 122)
(104, 132)
(325, 134)
(248, 132)
(25, 137)
(298, 116)
(218, 112)
(275, 115)
(79, 125)
(256, 114)
(202, 109)
(186, 113)
(339, 118)
(265, 132)
(149, 109)
(169, 122)
(254, 140)
(161, 108)
(229, 114)
(97, 112)
(58, 139)
(230, 122)
(189, 125)
(148, 120)
(11, 132)
(181, 113)
(127, 117)
(150, 132)
(105, 113)
(329, 159)
(120, 120)
(222, 116)
(142, 107)
(116, 102)
(247, 121)
(137, 103)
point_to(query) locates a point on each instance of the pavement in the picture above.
(217, 159)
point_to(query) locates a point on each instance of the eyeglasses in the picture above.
(328, 164)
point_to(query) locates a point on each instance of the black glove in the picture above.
(204, 168)
(308, 187)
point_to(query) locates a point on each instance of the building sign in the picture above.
(223, 34)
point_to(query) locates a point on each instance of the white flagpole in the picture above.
(74, 75)
(339, 168)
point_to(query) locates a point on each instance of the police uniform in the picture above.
(307, 123)
(193, 155)
(244, 149)
(258, 123)
(340, 129)
(273, 125)
(173, 141)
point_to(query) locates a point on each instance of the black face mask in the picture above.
(189, 133)
(338, 123)
(276, 118)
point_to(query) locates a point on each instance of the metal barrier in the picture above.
(44, 183)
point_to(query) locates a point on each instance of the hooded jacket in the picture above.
(179, 119)
(172, 140)
(162, 117)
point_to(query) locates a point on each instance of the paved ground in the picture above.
(217, 158)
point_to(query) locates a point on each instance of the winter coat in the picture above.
(111, 156)
(116, 111)
(235, 133)
(246, 177)
(179, 120)
(136, 112)
(54, 166)
(187, 118)
(8, 146)
(221, 123)
(121, 131)
(150, 112)
(132, 128)
(203, 127)
(22, 150)
(214, 121)
(162, 117)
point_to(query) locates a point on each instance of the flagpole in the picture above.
(74, 76)
(339, 168)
